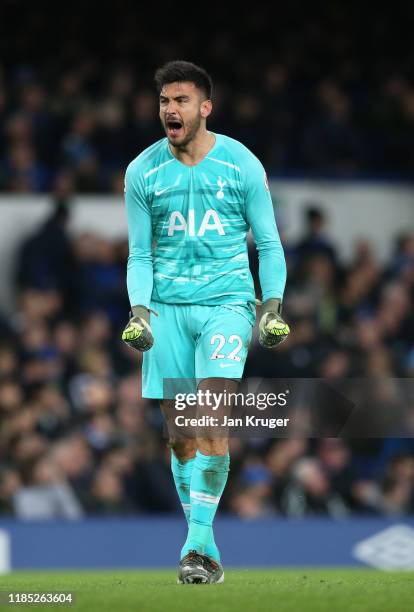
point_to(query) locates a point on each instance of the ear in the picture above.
(206, 108)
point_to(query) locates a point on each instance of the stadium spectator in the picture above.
(47, 496)
(311, 492)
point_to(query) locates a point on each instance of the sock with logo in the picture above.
(208, 479)
(182, 471)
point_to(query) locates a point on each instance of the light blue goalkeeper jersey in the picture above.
(187, 227)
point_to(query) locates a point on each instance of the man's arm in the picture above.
(272, 264)
(261, 218)
(137, 333)
(139, 269)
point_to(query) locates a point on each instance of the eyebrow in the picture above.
(180, 97)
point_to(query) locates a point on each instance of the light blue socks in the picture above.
(182, 471)
(208, 479)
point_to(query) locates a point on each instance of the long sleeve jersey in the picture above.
(188, 225)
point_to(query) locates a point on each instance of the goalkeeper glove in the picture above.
(137, 332)
(272, 328)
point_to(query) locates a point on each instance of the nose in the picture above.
(171, 108)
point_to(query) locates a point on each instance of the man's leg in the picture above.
(210, 472)
(224, 334)
(209, 477)
(183, 452)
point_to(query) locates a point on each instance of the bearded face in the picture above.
(182, 110)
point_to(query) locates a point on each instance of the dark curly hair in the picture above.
(179, 70)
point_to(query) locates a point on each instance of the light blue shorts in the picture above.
(196, 342)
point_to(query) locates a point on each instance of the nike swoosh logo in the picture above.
(227, 365)
(158, 193)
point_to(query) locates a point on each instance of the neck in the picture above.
(196, 150)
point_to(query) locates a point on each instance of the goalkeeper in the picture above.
(191, 199)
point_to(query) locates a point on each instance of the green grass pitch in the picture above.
(247, 590)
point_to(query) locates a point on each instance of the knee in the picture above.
(217, 446)
(183, 449)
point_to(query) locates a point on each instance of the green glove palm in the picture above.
(137, 333)
(273, 330)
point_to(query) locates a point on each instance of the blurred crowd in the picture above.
(77, 438)
(314, 93)
(326, 92)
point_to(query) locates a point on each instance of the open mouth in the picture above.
(174, 127)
